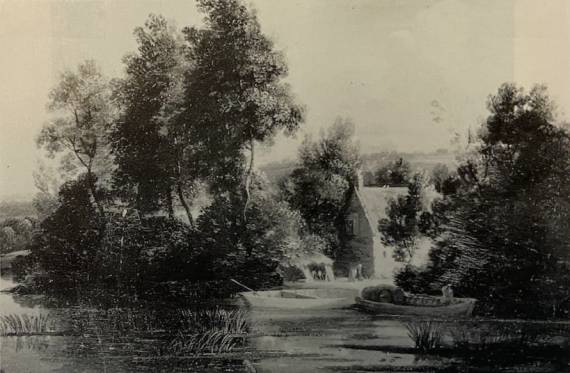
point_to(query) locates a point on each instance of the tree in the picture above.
(320, 186)
(407, 220)
(147, 140)
(252, 247)
(396, 173)
(235, 96)
(68, 240)
(504, 238)
(82, 116)
(46, 200)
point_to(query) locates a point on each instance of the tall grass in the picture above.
(426, 335)
(210, 331)
(24, 324)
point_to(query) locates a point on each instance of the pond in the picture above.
(80, 339)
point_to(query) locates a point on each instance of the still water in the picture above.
(278, 341)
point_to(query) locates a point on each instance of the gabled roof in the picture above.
(375, 201)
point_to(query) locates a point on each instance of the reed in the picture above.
(25, 324)
(210, 331)
(426, 335)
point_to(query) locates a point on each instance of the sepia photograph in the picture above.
(284, 186)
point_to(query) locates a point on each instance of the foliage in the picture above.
(82, 117)
(133, 251)
(235, 95)
(406, 220)
(66, 243)
(504, 236)
(48, 183)
(190, 107)
(25, 324)
(147, 140)
(427, 335)
(213, 330)
(248, 248)
(444, 181)
(396, 173)
(16, 233)
(320, 186)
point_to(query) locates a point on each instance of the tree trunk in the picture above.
(248, 177)
(170, 202)
(184, 203)
(92, 190)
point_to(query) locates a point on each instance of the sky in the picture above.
(408, 73)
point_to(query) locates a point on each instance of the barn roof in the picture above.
(375, 201)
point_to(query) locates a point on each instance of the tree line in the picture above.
(500, 228)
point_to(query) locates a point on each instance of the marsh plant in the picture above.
(214, 330)
(25, 324)
(427, 335)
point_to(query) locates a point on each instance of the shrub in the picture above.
(214, 330)
(20, 325)
(427, 335)
(413, 279)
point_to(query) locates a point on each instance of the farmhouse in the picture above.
(362, 243)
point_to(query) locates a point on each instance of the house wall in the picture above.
(358, 248)
(365, 247)
(384, 264)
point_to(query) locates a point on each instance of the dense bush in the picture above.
(503, 234)
(66, 243)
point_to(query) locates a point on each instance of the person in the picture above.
(359, 275)
(447, 291)
(319, 274)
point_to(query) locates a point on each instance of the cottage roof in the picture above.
(375, 201)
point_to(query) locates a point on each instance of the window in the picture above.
(349, 226)
(352, 224)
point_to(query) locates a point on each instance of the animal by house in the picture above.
(362, 246)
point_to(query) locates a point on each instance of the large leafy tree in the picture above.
(505, 231)
(320, 186)
(235, 95)
(82, 115)
(147, 141)
(251, 247)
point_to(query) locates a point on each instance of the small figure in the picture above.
(447, 291)
(314, 274)
(319, 274)
(359, 276)
(352, 272)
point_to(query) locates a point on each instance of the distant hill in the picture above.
(275, 171)
(17, 209)
(418, 161)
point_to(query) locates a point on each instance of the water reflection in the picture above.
(158, 338)
(119, 340)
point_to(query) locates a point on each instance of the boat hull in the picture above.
(299, 299)
(462, 308)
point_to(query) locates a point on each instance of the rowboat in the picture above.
(299, 298)
(420, 306)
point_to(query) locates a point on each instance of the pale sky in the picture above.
(389, 65)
